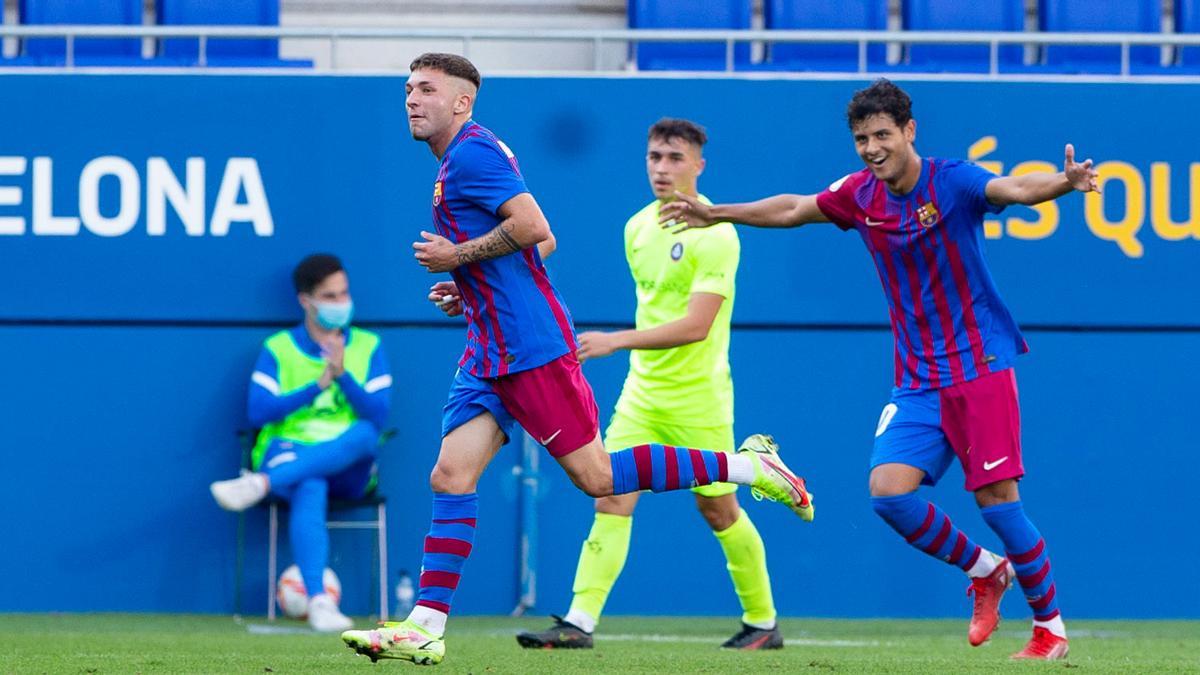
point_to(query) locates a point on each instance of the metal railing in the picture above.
(598, 38)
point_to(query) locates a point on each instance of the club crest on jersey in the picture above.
(437, 193)
(928, 214)
(677, 251)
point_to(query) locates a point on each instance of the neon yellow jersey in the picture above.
(330, 414)
(688, 385)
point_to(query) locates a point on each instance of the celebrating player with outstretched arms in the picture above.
(955, 393)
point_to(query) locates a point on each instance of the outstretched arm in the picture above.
(523, 226)
(777, 211)
(1035, 188)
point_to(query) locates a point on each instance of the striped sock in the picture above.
(928, 528)
(661, 468)
(1027, 550)
(447, 547)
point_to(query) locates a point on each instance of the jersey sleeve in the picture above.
(716, 254)
(378, 369)
(837, 203)
(265, 402)
(970, 180)
(266, 372)
(487, 173)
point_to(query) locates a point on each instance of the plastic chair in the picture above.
(373, 499)
(223, 51)
(693, 14)
(956, 15)
(1109, 16)
(821, 14)
(85, 51)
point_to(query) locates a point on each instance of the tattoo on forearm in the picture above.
(494, 244)
(512, 243)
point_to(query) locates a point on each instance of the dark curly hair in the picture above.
(313, 270)
(669, 127)
(881, 97)
(450, 64)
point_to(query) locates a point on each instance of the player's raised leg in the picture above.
(466, 452)
(663, 468)
(928, 528)
(912, 449)
(555, 404)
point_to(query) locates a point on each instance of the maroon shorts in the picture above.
(554, 403)
(982, 422)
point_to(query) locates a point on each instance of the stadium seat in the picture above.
(222, 52)
(820, 14)
(1108, 16)
(372, 500)
(86, 51)
(689, 14)
(1187, 20)
(955, 15)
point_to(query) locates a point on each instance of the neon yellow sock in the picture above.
(600, 562)
(747, 564)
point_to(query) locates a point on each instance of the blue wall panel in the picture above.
(338, 171)
(115, 428)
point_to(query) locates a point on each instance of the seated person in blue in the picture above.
(320, 393)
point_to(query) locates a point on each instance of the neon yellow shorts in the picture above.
(625, 432)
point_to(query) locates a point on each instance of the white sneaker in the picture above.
(239, 494)
(324, 615)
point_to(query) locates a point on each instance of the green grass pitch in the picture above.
(157, 643)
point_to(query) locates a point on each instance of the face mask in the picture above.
(333, 315)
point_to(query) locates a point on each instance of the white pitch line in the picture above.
(267, 629)
(717, 639)
(1077, 633)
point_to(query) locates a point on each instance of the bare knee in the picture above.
(1002, 492)
(890, 480)
(446, 479)
(594, 484)
(590, 469)
(719, 512)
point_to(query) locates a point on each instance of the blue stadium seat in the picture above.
(821, 14)
(1187, 20)
(689, 14)
(956, 15)
(87, 51)
(1108, 16)
(222, 52)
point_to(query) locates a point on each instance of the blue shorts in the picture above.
(469, 398)
(977, 421)
(909, 432)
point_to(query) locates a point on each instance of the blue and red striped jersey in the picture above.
(516, 320)
(948, 320)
